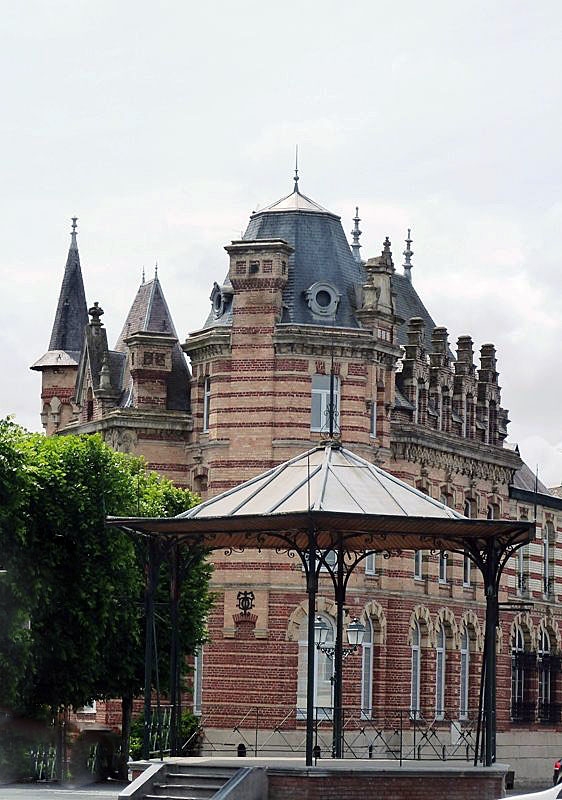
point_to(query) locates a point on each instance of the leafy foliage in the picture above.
(77, 583)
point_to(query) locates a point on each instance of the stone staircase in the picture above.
(189, 782)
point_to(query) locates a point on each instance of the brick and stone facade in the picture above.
(298, 310)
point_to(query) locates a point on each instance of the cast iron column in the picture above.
(150, 588)
(338, 659)
(311, 657)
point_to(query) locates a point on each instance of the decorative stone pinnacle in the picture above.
(96, 312)
(408, 253)
(356, 233)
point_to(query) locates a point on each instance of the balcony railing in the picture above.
(523, 712)
(549, 713)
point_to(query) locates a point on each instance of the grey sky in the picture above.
(163, 125)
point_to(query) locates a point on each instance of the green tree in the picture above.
(78, 582)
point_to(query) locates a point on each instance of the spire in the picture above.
(296, 178)
(71, 315)
(356, 233)
(408, 253)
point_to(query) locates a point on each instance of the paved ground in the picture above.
(51, 791)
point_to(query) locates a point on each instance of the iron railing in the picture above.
(400, 734)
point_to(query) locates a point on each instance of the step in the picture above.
(181, 770)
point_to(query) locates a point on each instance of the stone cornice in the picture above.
(131, 418)
(208, 343)
(454, 454)
(345, 343)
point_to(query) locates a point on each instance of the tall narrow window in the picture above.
(545, 679)
(522, 577)
(465, 674)
(440, 674)
(323, 669)
(198, 682)
(548, 560)
(206, 403)
(367, 672)
(418, 565)
(443, 562)
(466, 562)
(518, 675)
(416, 667)
(321, 411)
(373, 419)
(371, 564)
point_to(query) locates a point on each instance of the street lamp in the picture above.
(355, 633)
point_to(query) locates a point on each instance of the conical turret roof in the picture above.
(71, 316)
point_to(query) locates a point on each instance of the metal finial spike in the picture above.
(156, 270)
(73, 244)
(143, 274)
(296, 178)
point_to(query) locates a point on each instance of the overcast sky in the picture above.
(163, 125)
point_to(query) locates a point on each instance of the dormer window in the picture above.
(217, 300)
(323, 299)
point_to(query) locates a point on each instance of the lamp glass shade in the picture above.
(355, 632)
(321, 630)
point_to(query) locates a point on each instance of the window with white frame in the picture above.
(465, 674)
(321, 412)
(545, 675)
(418, 565)
(371, 564)
(466, 571)
(323, 669)
(373, 419)
(518, 682)
(367, 671)
(440, 674)
(198, 681)
(443, 563)
(416, 669)
(548, 560)
(206, 403)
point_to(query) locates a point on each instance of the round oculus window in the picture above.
(323, 299)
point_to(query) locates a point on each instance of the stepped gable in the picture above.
(150, 313)
(71, 317)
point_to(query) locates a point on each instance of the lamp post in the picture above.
(355, 633)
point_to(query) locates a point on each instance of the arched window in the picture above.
(320, 416)
(416, 668)
(440, 667)
(523, 663)
(367, 671)
(89, 404)
(323, 668)
(465, 674)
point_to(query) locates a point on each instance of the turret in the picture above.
(59, 365)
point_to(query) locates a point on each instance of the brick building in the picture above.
(297, 306)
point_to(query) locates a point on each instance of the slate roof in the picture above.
(150, 312)
(72, 313)
(525, 478)
(71, 316)
(322, 253)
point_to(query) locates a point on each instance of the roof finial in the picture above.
(143, 275)
(356, 233)
(296, 178)
(408, 253)
(156, 271)
(73, 244)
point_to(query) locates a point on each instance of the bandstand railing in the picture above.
(396, 734)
